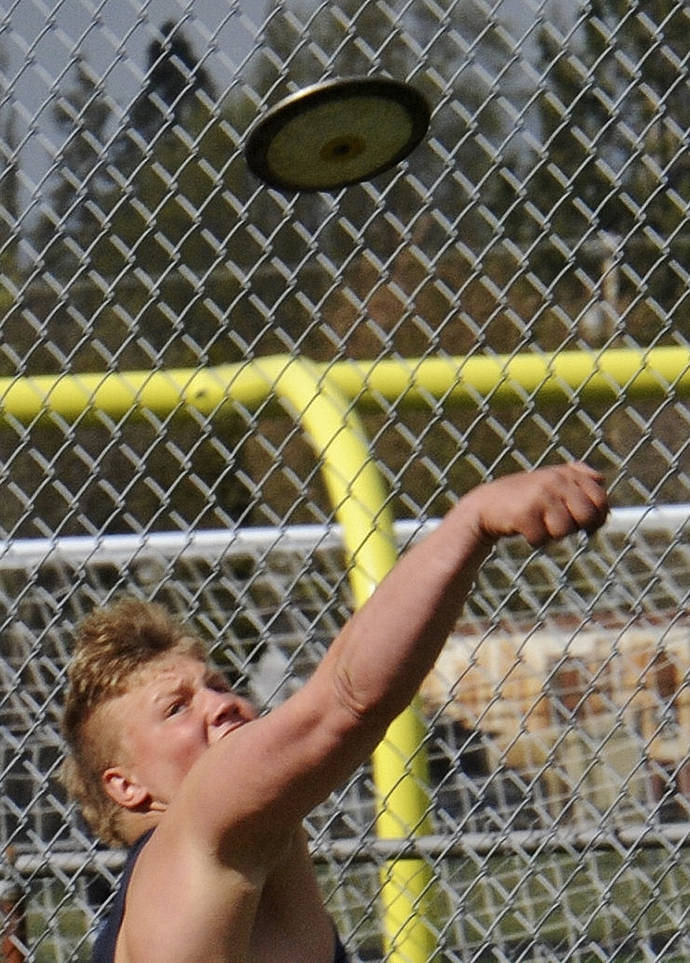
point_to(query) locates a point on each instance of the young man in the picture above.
(164, 756)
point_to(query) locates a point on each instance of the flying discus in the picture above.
(337, 133)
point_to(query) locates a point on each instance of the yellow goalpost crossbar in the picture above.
(324, 398)
(498, 380)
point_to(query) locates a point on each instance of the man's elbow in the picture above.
(349, 696)
(361, 705)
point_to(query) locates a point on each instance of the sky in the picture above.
(41, 37)
(39, 40)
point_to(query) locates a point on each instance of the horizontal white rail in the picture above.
(79, 549)
(48, 863)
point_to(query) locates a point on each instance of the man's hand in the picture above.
(541, 505)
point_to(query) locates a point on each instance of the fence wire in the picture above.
(545, 212)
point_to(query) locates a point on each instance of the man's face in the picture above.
(174, 711)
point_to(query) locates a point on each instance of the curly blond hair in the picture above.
(112, 645)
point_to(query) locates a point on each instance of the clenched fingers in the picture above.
(575, 500)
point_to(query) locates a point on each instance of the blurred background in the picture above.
(544, 216)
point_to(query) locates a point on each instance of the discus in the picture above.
(337, 133)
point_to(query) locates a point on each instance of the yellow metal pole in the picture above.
(595, 376)
(501, 380)
(354, 484)
(358, 497)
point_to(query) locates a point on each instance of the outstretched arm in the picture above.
(304, 749)
(384, 652)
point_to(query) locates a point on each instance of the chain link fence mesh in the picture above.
(546, 212)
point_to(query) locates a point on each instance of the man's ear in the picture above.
(123, 790)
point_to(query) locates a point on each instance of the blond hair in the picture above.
(112, 645)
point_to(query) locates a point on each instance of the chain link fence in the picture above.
(545, 216)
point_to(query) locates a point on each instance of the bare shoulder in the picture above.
(182, 904)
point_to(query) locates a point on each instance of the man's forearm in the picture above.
(382, 655)
(384, 652)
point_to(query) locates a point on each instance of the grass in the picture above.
(586, 908)
(582, 908)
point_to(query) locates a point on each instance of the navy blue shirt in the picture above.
(104, 947)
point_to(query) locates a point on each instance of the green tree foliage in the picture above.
(62, 296)
(450, 203)
(174, 79)
(614, 113)
(172, 247)
(136, 253)
(142, 244)
(82, 177)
